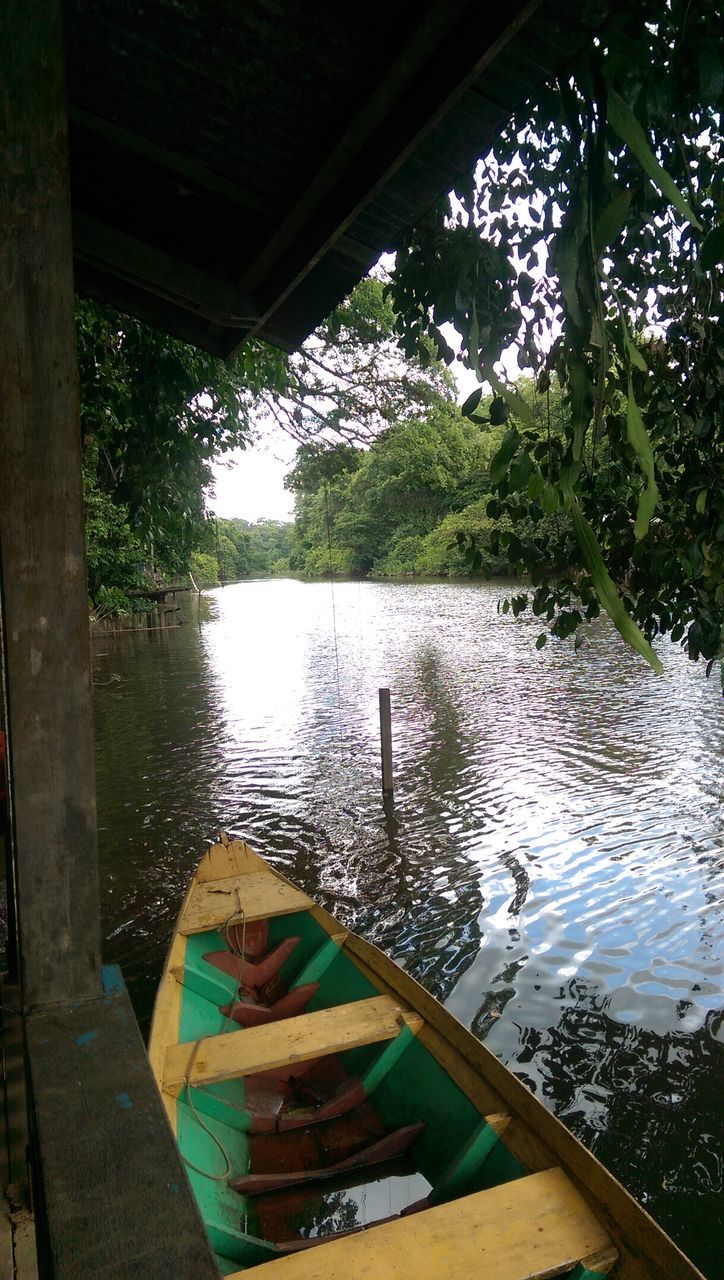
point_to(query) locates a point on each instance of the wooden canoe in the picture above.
(337, 1123)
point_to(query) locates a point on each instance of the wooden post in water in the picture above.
(386, 742)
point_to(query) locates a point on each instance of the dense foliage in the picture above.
(154, 412)
(407, 505)
(590, 240)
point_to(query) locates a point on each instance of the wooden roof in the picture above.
(238, 165)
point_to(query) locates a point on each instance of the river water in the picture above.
(552, 867)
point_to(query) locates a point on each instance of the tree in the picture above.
(349, 381)
(154, 412)
(591, 242)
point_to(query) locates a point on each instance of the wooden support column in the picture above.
(42, 557)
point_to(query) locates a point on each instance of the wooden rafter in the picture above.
(448, 51)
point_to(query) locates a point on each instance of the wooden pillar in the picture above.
(42, 557)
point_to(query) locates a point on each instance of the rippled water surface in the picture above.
(552, 866)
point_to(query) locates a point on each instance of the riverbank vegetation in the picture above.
(589, 244)
(416, 500)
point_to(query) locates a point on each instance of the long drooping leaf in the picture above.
(581, 393)
(605, 589)
(610, 221)
(474, 343)
(639, 440)
(499, 464)
(622, 119)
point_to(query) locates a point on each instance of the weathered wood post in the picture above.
(45, 603)
(386, 742)
(84, 1053)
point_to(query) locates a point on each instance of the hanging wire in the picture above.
(334, 613)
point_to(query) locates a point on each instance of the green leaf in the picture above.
(712, 250)
(606, 590)
(472, 402)
(520, 472)
(610, 221)
(581, 393)
(474, 343)
(499, 411)
(536, 485)
(623, 121)
(507, 450)
(517, 405)
(550, 499)
(542, 638)
(635, 356)
(701, 501)
(639, 440)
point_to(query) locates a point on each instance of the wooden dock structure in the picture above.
(221, 172)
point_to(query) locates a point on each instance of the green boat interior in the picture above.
(285, 1157)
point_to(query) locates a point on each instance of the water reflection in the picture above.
(551, 866)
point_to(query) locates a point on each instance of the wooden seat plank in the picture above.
(277, 1044)
(211, 904)
(533, 1227)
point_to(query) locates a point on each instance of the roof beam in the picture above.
(190, 173)
(449, 50)
(142, 265)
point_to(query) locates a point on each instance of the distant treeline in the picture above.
(236, 549)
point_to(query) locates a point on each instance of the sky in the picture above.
(249, 483)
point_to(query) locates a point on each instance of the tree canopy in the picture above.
(589, 239)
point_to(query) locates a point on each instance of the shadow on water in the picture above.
(551, 866)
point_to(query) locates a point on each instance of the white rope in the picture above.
(215, 1177)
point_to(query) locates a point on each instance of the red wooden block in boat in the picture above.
(351, 1095)
(252, 938)
(248, 973)
(249, 1014)
(386, 1148)
(318, 1145)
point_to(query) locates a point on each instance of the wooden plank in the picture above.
(166, 1020)
(206, 296)
(525, 1230)
(45, 602)
(229, 858)
(259, 894)
(114, 1196)
(277, 1044)
(596, 1266)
